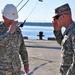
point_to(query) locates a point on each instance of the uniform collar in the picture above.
(71, 26)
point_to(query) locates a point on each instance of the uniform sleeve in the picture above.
(73, 44)
(58, 36)
(4, 38)
(24, 54)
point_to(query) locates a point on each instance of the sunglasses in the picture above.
(57, 17)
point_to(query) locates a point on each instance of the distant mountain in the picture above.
(36, 23)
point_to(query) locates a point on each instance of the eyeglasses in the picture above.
(57, 17)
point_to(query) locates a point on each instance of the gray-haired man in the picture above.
(11, 44)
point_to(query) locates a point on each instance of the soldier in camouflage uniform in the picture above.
(11, 44)
(63, 18)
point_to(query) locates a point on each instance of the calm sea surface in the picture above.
(32, 31)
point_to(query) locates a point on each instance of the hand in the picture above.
(55, 25)
(13, 27)
(26, 70)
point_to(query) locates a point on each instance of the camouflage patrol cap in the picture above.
(62, 9)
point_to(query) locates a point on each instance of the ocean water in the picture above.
(32, 31)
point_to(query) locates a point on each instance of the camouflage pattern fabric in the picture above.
(68, 48)
(9, 72)
(10, 48)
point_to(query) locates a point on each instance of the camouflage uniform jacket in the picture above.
(10, 48)
(67, 42)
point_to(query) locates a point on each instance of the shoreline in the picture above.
(49, 38)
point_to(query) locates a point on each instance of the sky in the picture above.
(36, 11)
